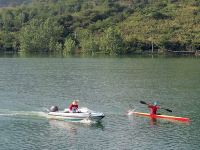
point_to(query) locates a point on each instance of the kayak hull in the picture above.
(182, 119)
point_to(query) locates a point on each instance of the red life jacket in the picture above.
(73, 107)
(153, 109)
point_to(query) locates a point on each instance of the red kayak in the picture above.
(162, 116)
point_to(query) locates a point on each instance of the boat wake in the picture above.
(38, 115)
(7, 113)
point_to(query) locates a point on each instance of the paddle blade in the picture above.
(168, 110)
(142, 102)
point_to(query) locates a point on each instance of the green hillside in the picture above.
(101, 26)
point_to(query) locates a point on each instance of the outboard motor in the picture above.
(54, 108)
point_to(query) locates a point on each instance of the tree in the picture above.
(7, 41)
(87, 42)
(111, 42)
(40, 36)
(69, 46)
(7, 20)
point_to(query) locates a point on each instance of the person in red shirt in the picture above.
(73, 107)
(153, 108)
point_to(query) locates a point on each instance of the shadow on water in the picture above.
(60, 55)
(154, 121)
(74, 126)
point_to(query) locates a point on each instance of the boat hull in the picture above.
(182, 119)
(93, 116)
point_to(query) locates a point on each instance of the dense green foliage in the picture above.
(101, 26)
(44, 36)
(6, 3)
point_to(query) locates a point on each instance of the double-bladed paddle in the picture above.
(142, 102)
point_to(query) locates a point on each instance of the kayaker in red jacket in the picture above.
(153, 108)
(73, 107)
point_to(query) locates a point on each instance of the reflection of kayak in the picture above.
(82, 114)
(161, 116)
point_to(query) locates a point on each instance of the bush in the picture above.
(158, 15)
(69, 46)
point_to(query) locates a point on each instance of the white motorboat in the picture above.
(81, 114)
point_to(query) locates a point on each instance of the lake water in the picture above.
(28, 86)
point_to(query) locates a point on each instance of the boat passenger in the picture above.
(153, 108)
(73, 107)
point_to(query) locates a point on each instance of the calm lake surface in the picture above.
(28, 86)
